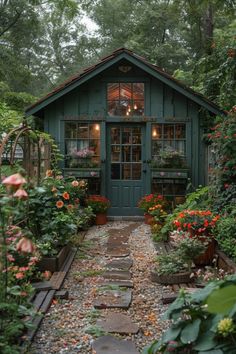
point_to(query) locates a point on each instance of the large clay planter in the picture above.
(148, 218)
(101, 219)
(206, 257)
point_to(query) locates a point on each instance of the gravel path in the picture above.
(70, 325)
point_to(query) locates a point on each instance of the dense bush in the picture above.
(225, 234)
(202, 322)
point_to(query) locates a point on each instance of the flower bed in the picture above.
(54, 264)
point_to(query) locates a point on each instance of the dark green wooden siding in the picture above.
(161, 102)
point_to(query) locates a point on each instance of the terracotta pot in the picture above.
(101, 219)
(148, 218)
(206, 257)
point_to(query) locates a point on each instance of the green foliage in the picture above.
(225, 234)
(223, 140)
(204, 322)
(18, 100)
(9, 119)
(85, 218)
(169, 263)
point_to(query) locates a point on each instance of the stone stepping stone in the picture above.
(124, 264)
(121, 283)
(117, 323)
(111, 345)
(113, 299)
(117, 275)
(118, 252)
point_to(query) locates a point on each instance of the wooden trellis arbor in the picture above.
(28, 148)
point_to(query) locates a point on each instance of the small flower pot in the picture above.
(101, 219)
(174, 278)
(148, 218)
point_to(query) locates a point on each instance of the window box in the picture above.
(85, 172)
(176, 173)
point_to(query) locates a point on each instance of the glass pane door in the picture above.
(126, 153)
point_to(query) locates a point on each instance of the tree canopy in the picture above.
(44, 41)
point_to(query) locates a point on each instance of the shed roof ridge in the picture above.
(85, 71)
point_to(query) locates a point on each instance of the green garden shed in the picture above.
(130, 129)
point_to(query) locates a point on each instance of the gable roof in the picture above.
(106, 62)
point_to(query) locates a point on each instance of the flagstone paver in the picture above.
(70, 324)
(111, 345)
(118, 252)
(116, 322)
(124, 264)
(117, 274)
(113, 299)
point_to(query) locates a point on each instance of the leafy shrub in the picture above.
(225, 234)
(203, 322)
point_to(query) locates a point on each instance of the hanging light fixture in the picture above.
(135, 106)
(97, 127)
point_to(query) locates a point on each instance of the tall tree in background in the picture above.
(44, 41)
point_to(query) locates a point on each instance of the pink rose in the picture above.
(14, 181)
(25, 245)
(21, 194)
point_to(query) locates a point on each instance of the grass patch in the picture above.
(92, 315)
(112, 287)
(88, 273)
(95, 331)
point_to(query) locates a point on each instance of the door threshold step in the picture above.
(125, 218)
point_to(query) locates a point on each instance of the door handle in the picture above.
(144, 171)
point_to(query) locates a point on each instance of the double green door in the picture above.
(126, 174)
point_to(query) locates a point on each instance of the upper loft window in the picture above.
(125, 99)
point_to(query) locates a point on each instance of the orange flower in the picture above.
(47, 274)
(54, 189)
(66, 196)
(70, 207)
(19, 275)
(49, 173)
(59, 204)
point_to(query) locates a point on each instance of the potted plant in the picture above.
(171, 158)
(149, 201)
(99, 205)
(171, 269)
(199, 223)
(175, 267)
(82, 158)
